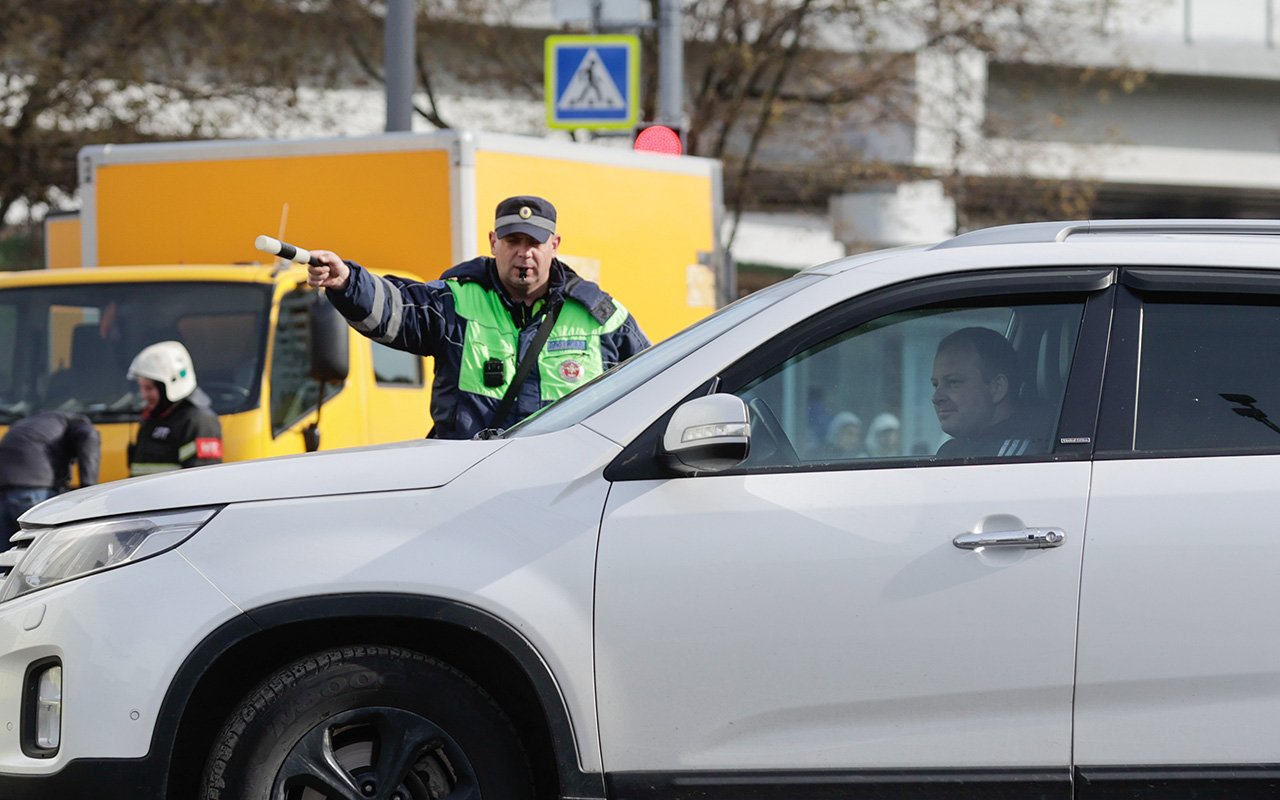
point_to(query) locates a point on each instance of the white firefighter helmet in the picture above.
(168, 364)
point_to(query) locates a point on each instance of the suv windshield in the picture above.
(69, 347)
(596, 394)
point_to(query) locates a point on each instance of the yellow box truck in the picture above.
(166, 236)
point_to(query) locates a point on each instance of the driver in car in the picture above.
(975, 395)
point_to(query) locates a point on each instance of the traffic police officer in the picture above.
(482, 317)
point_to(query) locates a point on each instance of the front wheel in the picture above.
(368, 722)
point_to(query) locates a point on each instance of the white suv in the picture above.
(796, 551)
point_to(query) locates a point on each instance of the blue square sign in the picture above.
(592, 81)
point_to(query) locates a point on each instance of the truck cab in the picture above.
(261, 345)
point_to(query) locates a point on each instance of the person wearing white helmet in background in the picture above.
(178, 428)
(884, 437)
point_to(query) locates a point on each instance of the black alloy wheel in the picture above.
(368, 723)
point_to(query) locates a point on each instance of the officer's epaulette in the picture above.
(596, 300)
(474, 271)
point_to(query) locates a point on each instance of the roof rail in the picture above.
(1033, 232)
(1236, 227)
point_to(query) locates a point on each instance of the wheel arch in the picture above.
(233, 659)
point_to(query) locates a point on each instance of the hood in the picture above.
(418, 464)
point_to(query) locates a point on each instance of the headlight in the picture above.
(70, 551)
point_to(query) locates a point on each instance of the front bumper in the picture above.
(91, 779)
(121, 636)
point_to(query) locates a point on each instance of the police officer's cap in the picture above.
(525, 214)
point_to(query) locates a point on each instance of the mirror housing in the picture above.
(330, 361)
(311, 437)
(708, 434)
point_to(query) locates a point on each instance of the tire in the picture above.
(368, 722)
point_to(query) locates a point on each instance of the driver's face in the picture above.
(963, 401)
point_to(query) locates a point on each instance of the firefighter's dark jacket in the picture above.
(465, 321)
(184, 434)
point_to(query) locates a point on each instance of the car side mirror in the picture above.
(708, 434)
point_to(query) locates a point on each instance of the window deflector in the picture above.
(1218, 281)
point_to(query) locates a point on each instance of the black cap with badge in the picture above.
(525, 214)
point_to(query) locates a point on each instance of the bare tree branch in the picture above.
(766, 111)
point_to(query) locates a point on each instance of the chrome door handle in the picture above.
(1034, 538)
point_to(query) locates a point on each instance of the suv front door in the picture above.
(805, 625)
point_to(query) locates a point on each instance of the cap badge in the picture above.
(525, 212)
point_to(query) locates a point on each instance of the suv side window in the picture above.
(936, 383)
(1207, 375)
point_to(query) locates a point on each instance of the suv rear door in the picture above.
(1179, 666)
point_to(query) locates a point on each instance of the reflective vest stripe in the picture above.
(136, 469)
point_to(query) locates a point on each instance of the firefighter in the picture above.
(178, 428)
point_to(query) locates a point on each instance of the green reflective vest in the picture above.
(570, 357)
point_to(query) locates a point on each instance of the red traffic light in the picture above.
(658, 139)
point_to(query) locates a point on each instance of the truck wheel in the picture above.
(368, 722)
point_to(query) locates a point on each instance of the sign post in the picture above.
(592, 81)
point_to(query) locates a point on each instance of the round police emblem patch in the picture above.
(525, 212)
(571, 371)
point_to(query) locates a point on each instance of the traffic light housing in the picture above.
(654, 138)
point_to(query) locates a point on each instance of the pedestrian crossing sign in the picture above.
(592, 81)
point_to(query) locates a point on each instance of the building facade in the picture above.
(1192, 129)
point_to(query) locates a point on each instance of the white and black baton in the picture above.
(284, 250)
